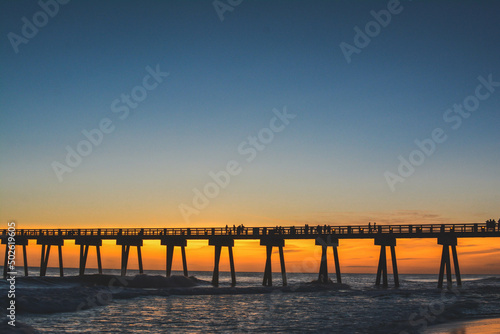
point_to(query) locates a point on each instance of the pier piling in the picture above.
(384, 241)
(219, 243)
(20, 241)
(85, 242)
(126, 242)
(171, 242)
(326, 241)
(271, 242)
(47, 242)
(447, 242)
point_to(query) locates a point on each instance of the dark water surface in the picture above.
(358, 307)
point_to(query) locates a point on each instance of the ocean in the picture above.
(48, 305)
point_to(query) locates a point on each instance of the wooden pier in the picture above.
(325, 236)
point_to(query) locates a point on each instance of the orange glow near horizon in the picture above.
(414, 256)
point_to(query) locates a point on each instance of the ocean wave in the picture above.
(20, 328)
(137, 281)
(487, 279)
(70, 294)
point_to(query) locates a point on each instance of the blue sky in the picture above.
(352, 121)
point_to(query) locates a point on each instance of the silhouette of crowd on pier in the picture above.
(491, 224)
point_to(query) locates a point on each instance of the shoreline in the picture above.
(478, 325)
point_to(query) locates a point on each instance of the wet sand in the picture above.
(483, 326)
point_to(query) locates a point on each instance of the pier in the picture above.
(325, 236)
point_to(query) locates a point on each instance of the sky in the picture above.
(263, 113)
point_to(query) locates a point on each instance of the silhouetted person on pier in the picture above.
(369, 227)
(490, 224)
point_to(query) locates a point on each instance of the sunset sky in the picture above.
(311, 121)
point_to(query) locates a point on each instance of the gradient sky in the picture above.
(327, 166)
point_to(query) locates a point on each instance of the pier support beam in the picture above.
(219, 243)
(99, 262)
(85, 242)
(447, 242)
(325, 242)
(84, 251)
(46, 242)
(126, 243)
(20, 241)
(171, 242)
(270, 243)
(384, 241)
(125, 252)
